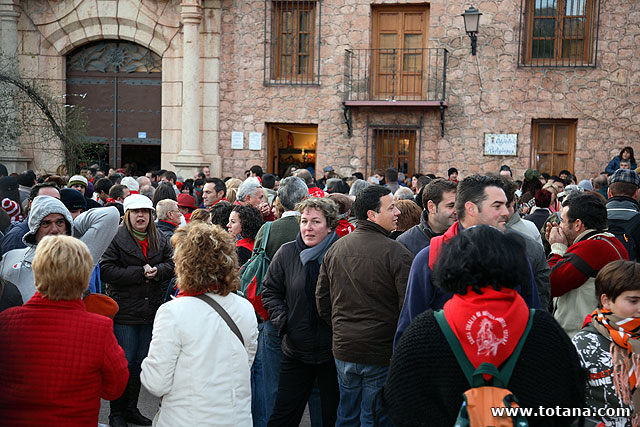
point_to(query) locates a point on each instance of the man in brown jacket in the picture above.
(360, 292)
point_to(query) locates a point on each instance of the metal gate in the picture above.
(121, 87)
(394, 146)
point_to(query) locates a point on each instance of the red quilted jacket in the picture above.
(56, 362)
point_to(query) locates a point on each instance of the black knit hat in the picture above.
(73, 199)
(9, 188)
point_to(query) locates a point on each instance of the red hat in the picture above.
(13, 209)
(186, 201)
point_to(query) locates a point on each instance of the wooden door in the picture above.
(399, 56)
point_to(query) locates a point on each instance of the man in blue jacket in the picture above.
(480, 200)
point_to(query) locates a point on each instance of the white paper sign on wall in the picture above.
(237, 140)
(255, 141)
(500, 144)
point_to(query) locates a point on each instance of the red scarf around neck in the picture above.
(246, 243)
(488, 325)
(437, 242)
(144, 245)
(344, 227)
(182, 293)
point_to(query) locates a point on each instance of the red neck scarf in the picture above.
(344, 228)
(195, 293)
(316, 192)
(488, 325)
(144, 245)
(437, 242)
(246, 243)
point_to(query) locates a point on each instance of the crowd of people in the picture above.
(385, 301)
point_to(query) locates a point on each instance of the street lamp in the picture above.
(471, 20)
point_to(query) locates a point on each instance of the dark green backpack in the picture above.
(478, 401)
(252, 273)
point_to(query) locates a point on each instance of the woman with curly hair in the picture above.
(220, 213)
(196, 362)
(486, 318)
(289, 296)
(244, 223)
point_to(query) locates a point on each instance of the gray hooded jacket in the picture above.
(95, 228)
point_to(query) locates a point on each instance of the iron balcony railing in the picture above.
(396, 74)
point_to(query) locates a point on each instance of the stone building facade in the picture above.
(361, 84)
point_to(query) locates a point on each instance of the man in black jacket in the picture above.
(623, 207)
(438, 199)
(169, 217)
(360, 292)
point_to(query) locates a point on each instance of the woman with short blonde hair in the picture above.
(53, 345)
(232, 188)
(62, 267)
(196, 362)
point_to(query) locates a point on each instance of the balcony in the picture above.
(395, 78)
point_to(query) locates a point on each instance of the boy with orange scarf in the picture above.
(609, 346)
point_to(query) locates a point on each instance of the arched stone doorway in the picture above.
(119, 85)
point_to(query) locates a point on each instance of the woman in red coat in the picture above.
(56, 359)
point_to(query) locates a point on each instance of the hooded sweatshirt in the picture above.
(95, 228)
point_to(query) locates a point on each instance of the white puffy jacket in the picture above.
(199, 366)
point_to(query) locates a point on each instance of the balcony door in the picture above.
(399, 43)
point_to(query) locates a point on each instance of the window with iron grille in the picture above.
(292, 42)
(559, 33)
(396, 146)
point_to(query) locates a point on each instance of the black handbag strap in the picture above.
(225, 316)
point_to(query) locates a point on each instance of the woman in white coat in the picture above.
(197, 363)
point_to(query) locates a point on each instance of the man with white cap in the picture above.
(49, 216)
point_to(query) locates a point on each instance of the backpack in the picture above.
(478, 401)
(624, 230)
(252, 273)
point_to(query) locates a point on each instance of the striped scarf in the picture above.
(625, 355)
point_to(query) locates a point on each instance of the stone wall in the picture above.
(488, 93)
(50, 29)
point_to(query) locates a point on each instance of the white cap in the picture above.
(131, 183)
(137, 201)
